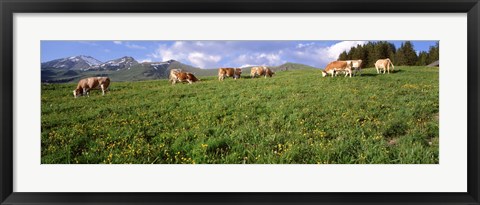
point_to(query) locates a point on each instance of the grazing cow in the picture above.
(384, 64)
(184, 77)
(334, 67)
(172, 76)
(261, 71)
(229, 72)
(356, 65)
(85, 85)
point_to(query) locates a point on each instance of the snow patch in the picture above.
(157, 64)
(90, 61)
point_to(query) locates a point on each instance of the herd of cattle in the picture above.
(348, 67)
(177, 75)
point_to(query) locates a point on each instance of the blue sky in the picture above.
(211, 54)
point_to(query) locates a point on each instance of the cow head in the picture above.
(76, 93)
(238, 73)
(269, 72)
(324, 73)
(192, 77)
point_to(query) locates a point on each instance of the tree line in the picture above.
(403, 56)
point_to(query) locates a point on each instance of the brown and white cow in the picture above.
(356, 65)
(335, 67)
(229, 72)
(261, 71)
(384, 64)
(85, 85)
(184, 77)
(172, 76)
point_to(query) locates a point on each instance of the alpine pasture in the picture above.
(295, 117)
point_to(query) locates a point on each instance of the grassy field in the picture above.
(296, 117)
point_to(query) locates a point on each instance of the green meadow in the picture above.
(296, 117)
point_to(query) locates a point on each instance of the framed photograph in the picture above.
(185, 102)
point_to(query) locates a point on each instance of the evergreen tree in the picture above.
(422, 58)
(378, 51)
(433, 54)
(369, 50)
(405, 55)
(359, 53)
(400, 56)
(343, 56)
(391, 52)
(410, 54)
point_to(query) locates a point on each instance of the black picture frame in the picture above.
(10, 7)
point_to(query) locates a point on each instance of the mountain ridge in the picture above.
(126, 68)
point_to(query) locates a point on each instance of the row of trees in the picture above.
(405, 55)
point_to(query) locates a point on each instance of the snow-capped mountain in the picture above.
(125, 62)
(81, 62)
(73, 68)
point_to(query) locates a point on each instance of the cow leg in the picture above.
(189, 81)
(376, 67)
(103, 89)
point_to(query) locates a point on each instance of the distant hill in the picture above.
(284, 67)
(126, 68)
(292, 66)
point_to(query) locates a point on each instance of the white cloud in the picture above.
(211, 54)
(259, 59)
(334, 51)
(147, 60)
(165, 53)
(247, 65)
(117, 42)
(199, 54)
(319, 56)
(204, 60)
